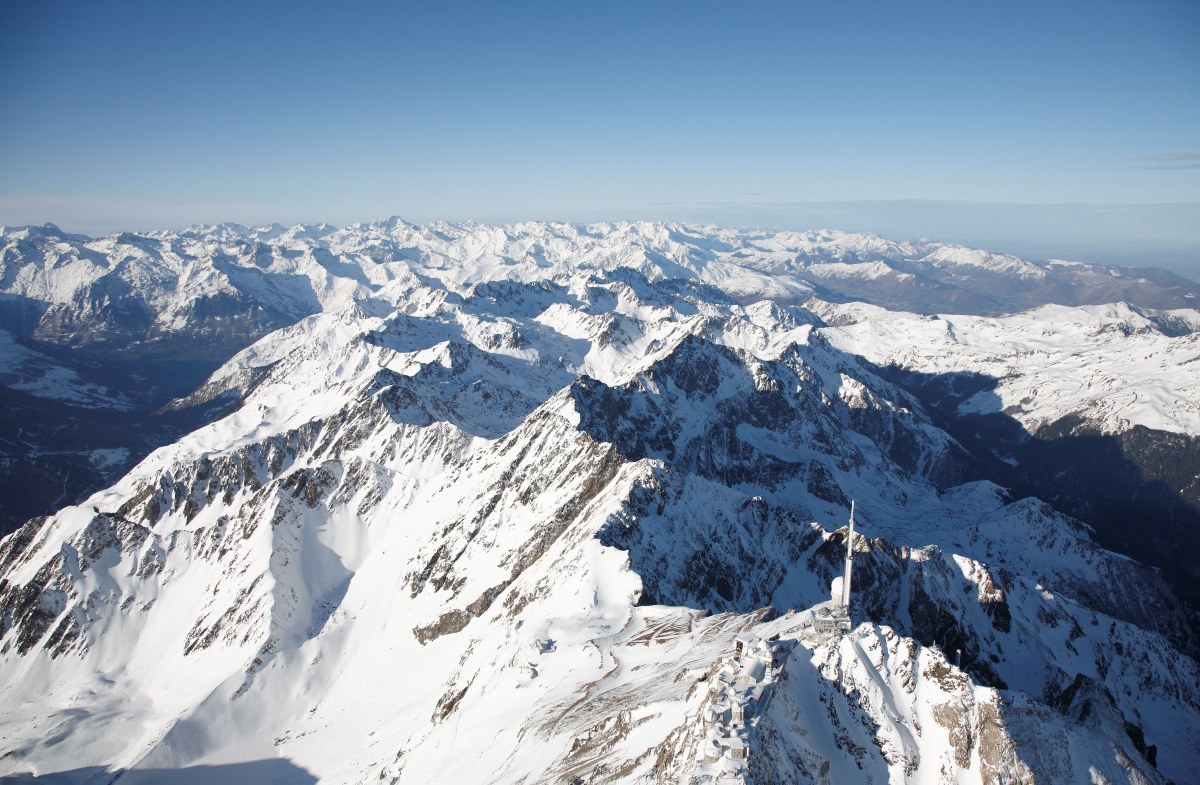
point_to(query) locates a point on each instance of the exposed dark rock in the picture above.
(448, 623)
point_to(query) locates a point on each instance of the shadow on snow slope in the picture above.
(277, 771)
(1139, 490)
(700, 533)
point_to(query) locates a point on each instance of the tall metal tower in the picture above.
(834, 616)
(849, 560)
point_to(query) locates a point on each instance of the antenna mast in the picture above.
(849, 559)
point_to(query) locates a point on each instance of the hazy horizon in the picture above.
(1065, 129)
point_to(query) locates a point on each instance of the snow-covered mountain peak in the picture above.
(560, 503)
(1001, 264)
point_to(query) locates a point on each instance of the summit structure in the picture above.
(834, 616)
(849, 562)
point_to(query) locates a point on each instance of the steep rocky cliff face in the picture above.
(477, 519)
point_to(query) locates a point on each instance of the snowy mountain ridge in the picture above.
(1112, 362)
(486, 515)
(300, 267)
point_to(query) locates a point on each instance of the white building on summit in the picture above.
(738, 695)
(835, 615)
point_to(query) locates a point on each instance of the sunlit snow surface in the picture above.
(498, 510)
(1106, 361)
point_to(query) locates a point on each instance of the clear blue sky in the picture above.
(155, 114)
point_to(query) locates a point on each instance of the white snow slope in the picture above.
(500, 513)
(1110, 362)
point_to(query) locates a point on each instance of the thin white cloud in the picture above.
(1188, 160)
